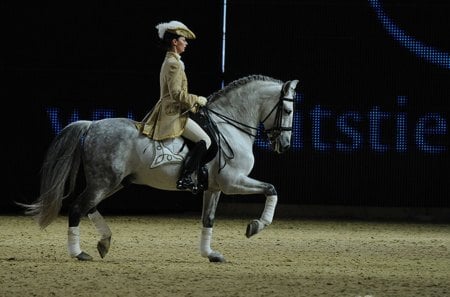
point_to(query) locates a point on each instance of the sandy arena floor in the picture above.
(158, 256)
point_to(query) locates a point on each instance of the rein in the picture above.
(233, 122)
(278, 119)
(219, 136)
(274, 132)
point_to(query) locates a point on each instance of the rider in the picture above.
(170, 116)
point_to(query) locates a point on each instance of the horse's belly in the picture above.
(163, 177)
(159, 163)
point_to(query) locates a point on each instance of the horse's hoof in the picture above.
(216, 258)
(103, 246)
(254, 227)
(83, 257)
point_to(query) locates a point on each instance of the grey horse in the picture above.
(113, 153)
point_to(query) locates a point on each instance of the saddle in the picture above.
(174, 150)
(205, 123)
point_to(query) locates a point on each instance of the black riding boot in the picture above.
(191, 165)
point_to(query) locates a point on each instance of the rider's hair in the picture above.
(166, 41)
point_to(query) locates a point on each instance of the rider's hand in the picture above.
(201, 101)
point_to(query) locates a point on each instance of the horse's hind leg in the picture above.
(85, 202)
(73, 235)
(103, 229)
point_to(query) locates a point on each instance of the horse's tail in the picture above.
(59, 173)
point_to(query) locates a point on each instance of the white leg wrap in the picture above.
(269, 209)
(73, 241)
(100, 224)
(205, 242)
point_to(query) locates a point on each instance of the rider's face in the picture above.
(179, 44)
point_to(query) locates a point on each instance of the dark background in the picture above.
(102, 55)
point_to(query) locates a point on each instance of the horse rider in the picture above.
(170, 116)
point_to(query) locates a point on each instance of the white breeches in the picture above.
(195, 133)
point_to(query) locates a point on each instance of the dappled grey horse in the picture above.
(113, 153)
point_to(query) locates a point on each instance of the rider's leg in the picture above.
(202, 142)
(195, 133)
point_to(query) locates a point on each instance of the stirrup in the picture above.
(185, 183)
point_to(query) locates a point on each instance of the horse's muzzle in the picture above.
(280, 148)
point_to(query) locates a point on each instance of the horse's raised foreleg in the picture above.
(103, 229)
(210, 201)
(266, 218)
(245, 185)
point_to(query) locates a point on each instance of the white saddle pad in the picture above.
(168, 151)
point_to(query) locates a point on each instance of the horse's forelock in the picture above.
(239, 83)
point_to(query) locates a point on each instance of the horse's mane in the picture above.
(240, 82)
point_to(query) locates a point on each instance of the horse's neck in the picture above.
(239, 112)
(244, 105)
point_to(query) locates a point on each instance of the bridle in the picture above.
(272, 133)
(275, 132)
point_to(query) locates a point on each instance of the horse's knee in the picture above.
(270, 190)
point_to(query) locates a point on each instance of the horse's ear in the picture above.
(289, 85)
(294, 83)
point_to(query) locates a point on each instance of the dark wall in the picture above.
(350, 67)
(84, 57)
(104, 56)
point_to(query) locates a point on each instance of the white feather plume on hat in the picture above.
(175, 27)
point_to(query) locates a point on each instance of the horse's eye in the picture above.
(287, 111)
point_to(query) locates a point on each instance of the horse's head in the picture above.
(268, 101)
(278, 123)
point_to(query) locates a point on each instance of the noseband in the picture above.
(274, 132)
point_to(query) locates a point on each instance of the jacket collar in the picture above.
(176, 56)
(173, 54)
